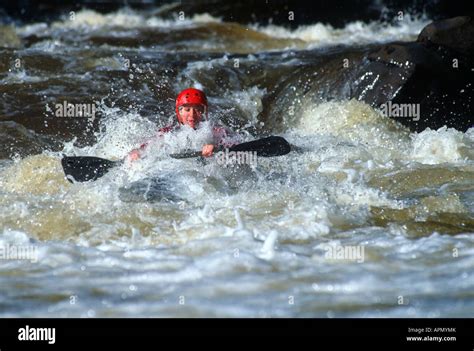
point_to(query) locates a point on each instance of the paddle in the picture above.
(266, 147)
(86, 168)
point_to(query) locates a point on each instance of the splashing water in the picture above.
(271, 240)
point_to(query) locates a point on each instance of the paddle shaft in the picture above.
(266, 147)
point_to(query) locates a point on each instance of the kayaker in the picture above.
(191, 106)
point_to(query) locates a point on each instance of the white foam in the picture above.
(442, 145)
(20, 76)
(30, 29)
(357, 122)
(128, 18)
(314, 35)
(14, 237)
(354, 33)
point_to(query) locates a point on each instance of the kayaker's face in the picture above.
(190, 115)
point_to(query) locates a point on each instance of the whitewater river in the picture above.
(365, 220)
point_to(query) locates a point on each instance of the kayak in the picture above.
(148, 190)
(173, 187)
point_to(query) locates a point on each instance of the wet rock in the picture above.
(439, 84)
(439, 74)
(454, 33)
(433, 74)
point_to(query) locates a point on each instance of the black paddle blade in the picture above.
(266, 147)
(85, 168)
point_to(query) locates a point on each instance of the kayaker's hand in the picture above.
(133, 155)
(207, 150)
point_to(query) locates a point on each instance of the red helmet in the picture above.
(191, 96)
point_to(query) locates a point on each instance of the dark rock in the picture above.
(442, 90)
(434, 72)
(453, 33)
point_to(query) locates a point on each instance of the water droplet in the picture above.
(91, 313)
